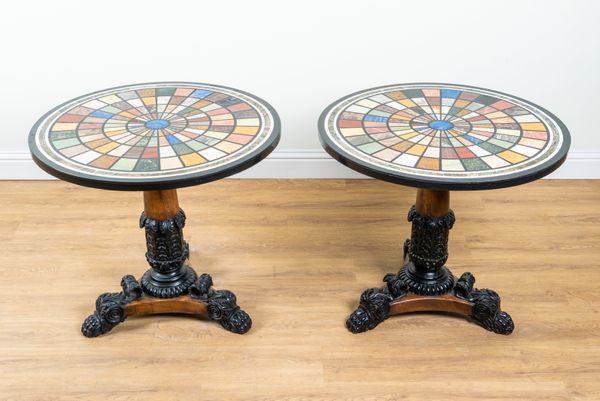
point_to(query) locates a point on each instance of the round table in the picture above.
(439, 137)
(154, 138)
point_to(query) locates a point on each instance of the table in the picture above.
(155, 138)
(439, 137)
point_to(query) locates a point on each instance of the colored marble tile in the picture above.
(70, 118)
(241, 139)
(491, 147)
(150, 153)
(474, 164)
(452, 165)
(371, 147)
(207, 141)
(432, 151)
(534, 143)
(416, 150)
(536, 135)
(87, 157)
(403, 146)
(533, 127)
(525, 150)
(212, 153)
(429, 163)
(134, 152)
(406, 160)
(147, 165)
(104, 161)
(512, 157)
(192, 159)
(65, 143)
(65, 127)
(193, 144)
(245, 130)
(124, 164)
(465, 153)
(74, 151)
(359, 139)
(228, 147)
(450, 93)
(182, 149)
(119, 151)
(165, 91)
(106, 148)
(495, 162)
(387, 154)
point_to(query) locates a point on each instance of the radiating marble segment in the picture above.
(150, 129)
(441, 129)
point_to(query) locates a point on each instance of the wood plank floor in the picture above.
(298, 254)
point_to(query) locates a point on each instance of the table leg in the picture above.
(424, 283)
(170, 285)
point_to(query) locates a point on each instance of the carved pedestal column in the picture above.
(167, 251)
(424, 283)
(170, 285)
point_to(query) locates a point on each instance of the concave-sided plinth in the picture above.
(170, 285)
(424, 283)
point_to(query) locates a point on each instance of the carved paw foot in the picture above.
(373, 309)
(222, 305)
(486, 308)
(110, 308)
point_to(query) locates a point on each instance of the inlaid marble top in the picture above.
(444, 136)
(154, 136)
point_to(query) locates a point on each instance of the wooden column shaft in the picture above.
(161, 205)
(433, 203)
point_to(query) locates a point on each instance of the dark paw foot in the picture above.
(360, 321)
(374, 308)
(238, 322)
(223, 307)
(503, 324)
(110, 308)
(486, 306)
(109, 313)
(92, 327)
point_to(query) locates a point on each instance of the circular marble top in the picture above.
(444, 136)
(154, 136)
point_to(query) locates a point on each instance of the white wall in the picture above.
(301, 55)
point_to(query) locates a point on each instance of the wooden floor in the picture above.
(298, 254)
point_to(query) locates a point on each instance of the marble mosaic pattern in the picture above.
(154, 130)
(442, 130)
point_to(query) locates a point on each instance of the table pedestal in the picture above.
(424, 283)
(170, 285)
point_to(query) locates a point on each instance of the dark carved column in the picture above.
(425, 273)
(166, 253)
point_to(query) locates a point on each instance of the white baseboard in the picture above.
(17, 165)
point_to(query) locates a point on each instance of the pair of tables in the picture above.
(158, 137)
